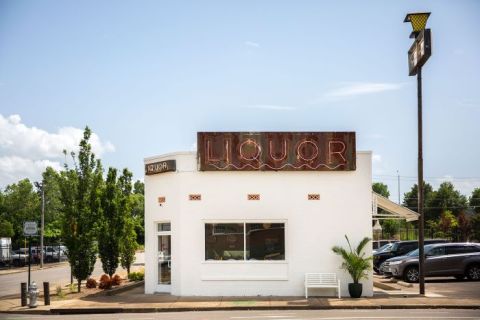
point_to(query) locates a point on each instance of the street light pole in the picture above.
(418, 55)
(42, 224)
(421, 254)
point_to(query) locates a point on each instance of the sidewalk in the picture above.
(135, 300)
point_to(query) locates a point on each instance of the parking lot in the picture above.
(448, 287)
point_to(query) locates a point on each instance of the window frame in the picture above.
(245, 222)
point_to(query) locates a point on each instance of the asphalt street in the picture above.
(273, 315)
(10, 283)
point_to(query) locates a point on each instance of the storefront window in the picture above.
(224, 241)
(265, 241)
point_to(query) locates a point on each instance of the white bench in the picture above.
(321, 280)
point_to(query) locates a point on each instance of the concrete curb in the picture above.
(236, 308)
(384, 286)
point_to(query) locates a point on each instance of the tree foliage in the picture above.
(80, 189)
(474, 200)
(6, 229)
(381, 189)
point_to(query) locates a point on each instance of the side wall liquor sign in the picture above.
(286, 151)
(160, 167)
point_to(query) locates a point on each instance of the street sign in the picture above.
(30, 228)
(419, 52)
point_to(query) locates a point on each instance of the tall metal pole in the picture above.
(29, 259)
(42, 225)
(421, 254)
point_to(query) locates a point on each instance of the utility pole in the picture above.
(42, 225)
(41, 186)
(421, 235)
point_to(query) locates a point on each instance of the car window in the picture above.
(455, 249)
(438, 251)
(407, 248)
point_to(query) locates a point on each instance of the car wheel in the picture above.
(411, 274)
(473, 272)
(459, 277)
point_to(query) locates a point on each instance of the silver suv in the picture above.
(459, 260)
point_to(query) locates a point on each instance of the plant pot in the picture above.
(355, 290)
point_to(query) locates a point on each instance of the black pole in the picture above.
(29, 259)
(23, 293)
(421, 254)
(46, 293)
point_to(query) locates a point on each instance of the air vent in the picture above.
(161, 200)
(195, 197)
(253, 197)
(314, 196)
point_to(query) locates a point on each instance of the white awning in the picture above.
(393, 210)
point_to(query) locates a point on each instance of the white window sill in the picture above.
(244, 262)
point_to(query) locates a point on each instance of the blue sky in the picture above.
(147, 75)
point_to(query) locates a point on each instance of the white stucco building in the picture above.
(246, 233)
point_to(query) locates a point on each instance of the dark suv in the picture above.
(459, 260)
(400, 248)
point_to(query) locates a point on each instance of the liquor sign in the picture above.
(419, 52)
(286, 151)
(160, 167)
(30, 228)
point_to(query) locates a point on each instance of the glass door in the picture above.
(164, 249)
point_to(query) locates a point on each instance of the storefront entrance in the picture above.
(164, 249)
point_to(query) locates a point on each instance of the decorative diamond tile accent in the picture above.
(195, 197)
(161, 200)
(253, 197)
(314, 196)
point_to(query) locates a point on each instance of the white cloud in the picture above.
(252, 44)
(362, 88)
(270, 107)
(26, 151)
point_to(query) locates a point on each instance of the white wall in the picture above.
(312, 227)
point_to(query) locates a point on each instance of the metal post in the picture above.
(29, 259)
(398, 182)
(42, 225)
(23, 293)
(46, 293)
(421, 254)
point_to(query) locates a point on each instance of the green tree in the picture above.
(138, 210)
(447, 198)
(129, 243)
(381, 189)
(112, 221)
(464, 226)
(53, 203)
(410, 200)
(475, 224)
(80, 190)
(20, 203)
(6, 229)
(447, 223)
(475, 200)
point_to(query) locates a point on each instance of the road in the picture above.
(275, 315)
(10, 283)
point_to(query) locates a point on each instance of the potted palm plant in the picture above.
(356, 264)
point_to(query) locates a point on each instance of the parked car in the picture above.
(399, 249)
(459, 260)
(19, 258)
(385, 247)
(54, 253)
(376, 244)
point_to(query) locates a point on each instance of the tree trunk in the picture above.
(128, 270)
(79, 284)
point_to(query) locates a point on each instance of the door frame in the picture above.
(163, 288)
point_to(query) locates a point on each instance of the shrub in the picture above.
(116, 280)
(105, 282)
(135, 276)
(72, 287)
(91, 283)
(60, 292)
